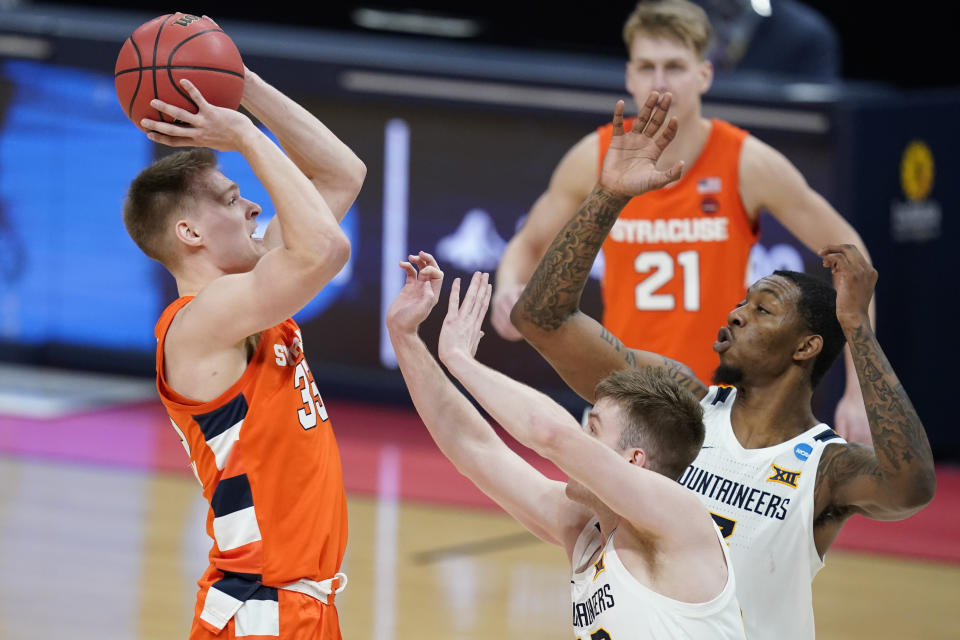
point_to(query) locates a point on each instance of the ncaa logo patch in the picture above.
(802, 451)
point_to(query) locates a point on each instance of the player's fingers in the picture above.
(173, 111)
(485, 303)
(483, 297)
(836, 256)
(665, 101)
(674, 172)
(658, 116)
(454, 304)
(470, 297)
(409, 270)
(193, 92)
(428, 258)
(834, 261)
(431, 272)
(648, 106)
(669, 133)
(618, 118)
(167, 128)
(848, 250)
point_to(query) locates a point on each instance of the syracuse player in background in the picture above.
(666, 287)
(230, 365)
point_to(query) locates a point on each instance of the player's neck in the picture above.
(193, 274)
(192, 284)
(688, 145)
(766, 415)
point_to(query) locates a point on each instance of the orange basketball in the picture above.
(166, 49)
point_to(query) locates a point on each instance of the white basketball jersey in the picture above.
(762, 500)
(609, 603)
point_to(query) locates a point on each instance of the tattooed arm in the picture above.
(896, 478)
(548, 313)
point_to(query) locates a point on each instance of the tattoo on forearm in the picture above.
(628, 355)
(898, 434)
(684, 375)
(901, 448)
(553, 292)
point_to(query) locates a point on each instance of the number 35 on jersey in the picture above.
(303, 381)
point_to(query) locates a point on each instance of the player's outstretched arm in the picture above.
(548, 312)
(314, 249)
(330, 164)
(896, 478)
(538, 422)
(572, 180)
(459, 430)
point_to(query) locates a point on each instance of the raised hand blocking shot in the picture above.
(632, 166)
(664, 564)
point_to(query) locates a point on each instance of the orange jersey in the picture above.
(265, 454)
(676, 259)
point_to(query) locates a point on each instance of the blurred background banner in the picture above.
(459, 137)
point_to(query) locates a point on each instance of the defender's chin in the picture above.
(727, 374)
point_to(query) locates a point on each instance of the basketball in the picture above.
(168, 48)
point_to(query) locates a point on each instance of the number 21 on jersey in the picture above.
(662, 269)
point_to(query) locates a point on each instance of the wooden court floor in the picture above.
(97, 552)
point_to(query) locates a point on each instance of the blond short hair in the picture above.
(662, 417)
(158, 193)
(677, 19)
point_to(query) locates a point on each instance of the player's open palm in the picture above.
(419, 295)
(211, 126)
(461, 332)
(630, 166)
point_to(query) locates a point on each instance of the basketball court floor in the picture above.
(102, 533)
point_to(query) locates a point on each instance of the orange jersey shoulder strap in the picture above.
(160, 331)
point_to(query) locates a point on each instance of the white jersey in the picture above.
(610, 604)
(762, 500)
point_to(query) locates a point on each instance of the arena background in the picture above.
(459, 136)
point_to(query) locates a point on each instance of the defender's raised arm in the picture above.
(895, 478)
(547, 314)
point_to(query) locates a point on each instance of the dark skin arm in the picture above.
(895, 478)
(548, 312)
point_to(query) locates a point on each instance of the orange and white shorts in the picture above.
(233, 608)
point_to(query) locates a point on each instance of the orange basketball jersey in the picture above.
(265, 454)
(676, 259)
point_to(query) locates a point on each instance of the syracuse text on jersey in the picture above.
(673, 230)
